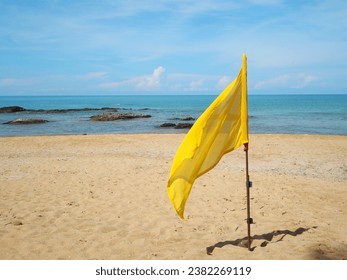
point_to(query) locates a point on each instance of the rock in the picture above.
(11, 109)
(60, 111)
(183, 125)
(177, 125)
(117, 116)
(26, 121)
(168, 125)
(14, 109)
(188, 118)
(105, 108)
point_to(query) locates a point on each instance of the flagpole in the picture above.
(248, 186)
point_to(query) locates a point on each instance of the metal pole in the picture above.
(248, 186)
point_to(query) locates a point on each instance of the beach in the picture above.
(104, 197)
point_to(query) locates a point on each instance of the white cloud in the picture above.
(197, 84)
(189, 81)
(304, 80)
(149, 82)
(223, 82)
(171, 81)
(273, 82)
(287, 81)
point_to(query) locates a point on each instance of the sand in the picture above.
(104, 197)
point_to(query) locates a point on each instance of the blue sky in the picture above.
(171, 47)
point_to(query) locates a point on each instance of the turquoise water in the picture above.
(293, 114)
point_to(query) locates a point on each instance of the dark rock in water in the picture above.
(183, 125)
(60, 111)
(114, 117)
(188, 118)
(26, 121)
(15, 109)
(11, 109)
(177, 125)
(106, 108)
(168, 125)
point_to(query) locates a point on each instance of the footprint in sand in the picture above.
(15, 223)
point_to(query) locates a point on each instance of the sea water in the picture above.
(289, 114)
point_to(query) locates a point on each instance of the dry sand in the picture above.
(104, 197)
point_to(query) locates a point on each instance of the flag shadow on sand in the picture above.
(267, 238)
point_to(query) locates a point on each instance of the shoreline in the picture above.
(104, 197)
(165, 132)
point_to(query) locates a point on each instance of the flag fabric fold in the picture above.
(222, 128)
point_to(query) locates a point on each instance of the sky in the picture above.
(102, 47)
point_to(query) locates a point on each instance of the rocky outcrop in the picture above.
(15, 109)
(188, 118)
(183, 125)
(26, 121)
(59, 111)
(168, 125)
(117, 116)
(11, 109)
(177, 125)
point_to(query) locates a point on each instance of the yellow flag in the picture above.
(222, 128)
